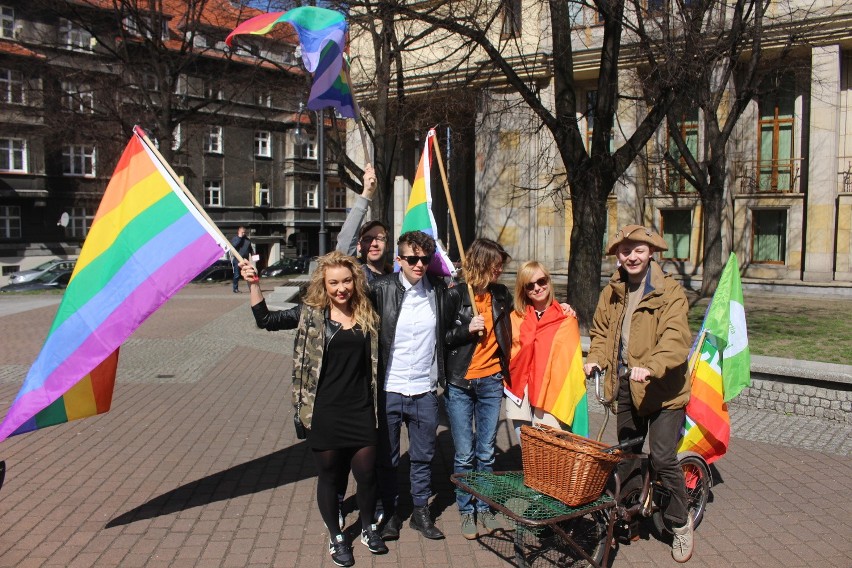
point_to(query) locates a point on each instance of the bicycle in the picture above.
(641, 495)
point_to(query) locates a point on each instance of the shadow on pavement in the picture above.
(273, 470)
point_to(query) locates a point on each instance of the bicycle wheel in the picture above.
(698, 481)
(589, 533)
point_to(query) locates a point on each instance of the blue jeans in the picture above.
(473, 415)
(420, 415)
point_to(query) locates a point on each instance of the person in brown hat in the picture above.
(640, 338)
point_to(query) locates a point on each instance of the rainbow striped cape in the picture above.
(147, 240)
(418, 214)
(721, 368)
(547, 360)
(322, 35)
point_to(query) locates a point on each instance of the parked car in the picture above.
(29, 275)
(280, 268)
(51, 280)
(219, 271)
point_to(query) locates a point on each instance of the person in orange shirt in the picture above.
(478, 349)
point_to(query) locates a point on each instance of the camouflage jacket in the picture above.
(314, 330)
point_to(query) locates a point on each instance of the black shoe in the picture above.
(371, 539)
(421, 521)
(391, 529)
(341, 552)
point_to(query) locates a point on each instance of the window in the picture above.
(213, 140)
(688, 126)
(306, 194)
(13, 155)
(7, 22)
(213, 193)
(337, 197)
(10, 222)
(77, 97)
(769, 235)
(263, 144)
(511, 14)
(308, 150)
(261, 194)
(11, 86)
(575, 14)
(654, 7)
(78, 160)
(676, 229)
(152, 26)
(213, 91)
(775, 136)
(74, 36)
(263, 98)
(149, 81)
(79, 222)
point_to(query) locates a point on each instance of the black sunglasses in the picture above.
(541, 282)
(412, 259)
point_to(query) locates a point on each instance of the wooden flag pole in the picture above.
(453, 218)
(367, 155)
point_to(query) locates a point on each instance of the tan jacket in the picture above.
(659, 340)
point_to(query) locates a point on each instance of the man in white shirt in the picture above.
(411, 364)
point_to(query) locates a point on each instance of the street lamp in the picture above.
(301, 138)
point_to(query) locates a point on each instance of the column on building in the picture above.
(822, 164)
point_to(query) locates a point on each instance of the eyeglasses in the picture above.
(541, 283)
(412, 259)
(378, 239)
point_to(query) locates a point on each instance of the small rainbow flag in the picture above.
(322, 35)
(549, 364)
(418, 214)
(721, 368)
(146, 242)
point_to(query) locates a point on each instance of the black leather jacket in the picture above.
(461, 343)
(386, 293)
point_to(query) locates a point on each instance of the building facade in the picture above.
(76, 75)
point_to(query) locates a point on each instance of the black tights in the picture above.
(329, 465)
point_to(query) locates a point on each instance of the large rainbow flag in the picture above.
(147, 241)
(721, 368)
(549, 364)
(418, 214)
(322, 35)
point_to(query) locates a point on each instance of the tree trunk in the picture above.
(713, 202)
(587, 234)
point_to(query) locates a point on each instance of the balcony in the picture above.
(844, 174)
(768, 176)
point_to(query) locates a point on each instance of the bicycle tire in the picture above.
(589, 533)
(698, 482)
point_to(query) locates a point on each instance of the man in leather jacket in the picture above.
(410, 368)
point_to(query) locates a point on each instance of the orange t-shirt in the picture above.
(485, 361)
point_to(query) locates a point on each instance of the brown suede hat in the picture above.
(636, 233)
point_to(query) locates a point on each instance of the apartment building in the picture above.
(76, 75)
(788, 193)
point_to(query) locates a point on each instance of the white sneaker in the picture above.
(682, 542)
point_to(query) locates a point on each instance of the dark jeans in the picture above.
(663, 429)
(236, 275)
(473, 415)
(419, 413)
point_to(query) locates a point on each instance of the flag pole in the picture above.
(453, 218)
(141, 133)
(367, 156)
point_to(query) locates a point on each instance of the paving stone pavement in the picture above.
(197, 465)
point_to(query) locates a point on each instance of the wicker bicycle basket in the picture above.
(563, 465)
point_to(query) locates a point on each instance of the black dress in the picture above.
(343, 409)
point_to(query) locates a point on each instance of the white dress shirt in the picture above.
(412, 357)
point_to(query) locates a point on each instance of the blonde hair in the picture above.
(482, 256)
(317, 297)
(525, 274)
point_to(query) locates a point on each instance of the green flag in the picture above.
(726, 321)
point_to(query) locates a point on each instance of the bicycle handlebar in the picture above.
(624, 445)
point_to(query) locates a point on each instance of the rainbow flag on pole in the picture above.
(721, 368)
(322, 35)
(418, 214)
(146, 242)
(549, 364)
